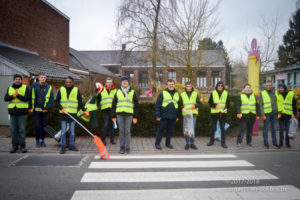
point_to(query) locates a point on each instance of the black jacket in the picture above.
(168, 112)
(135, 106)
(15, 110)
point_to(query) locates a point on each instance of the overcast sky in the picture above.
(92, 22)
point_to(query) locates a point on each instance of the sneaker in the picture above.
(23, 150)
(288, 146)
(281, 144)
(43, 144)
(127, 150)
(187, 146)
(13, 150)
(224, 146)
(158, 147)
(276, 146)
(73, 148)
(62, 150)
(267, 146)
(113, 142)
(249, 144)
(170, 146)
(193, 146)
(122, 151)
(210, 143)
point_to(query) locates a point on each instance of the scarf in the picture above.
(126, 90)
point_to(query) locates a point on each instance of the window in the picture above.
(114, 70)
(160, 76)
(172, 75)
(185, 79)
(143, 79)
(201, 79)
(215, 78)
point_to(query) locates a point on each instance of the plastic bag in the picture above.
(293, 128)
(218, 131)
(188, 125)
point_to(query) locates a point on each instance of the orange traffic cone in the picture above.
(101, 147)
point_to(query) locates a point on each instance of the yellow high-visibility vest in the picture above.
(107, 99)
(266, 102)
(168, 99)
(248, 104)
(219, 100)
(16, 102)
(188, 102)
(124, 104)
(71, 103)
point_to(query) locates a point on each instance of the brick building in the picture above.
(138, 66)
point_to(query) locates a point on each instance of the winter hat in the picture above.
(17, 76)
(124, 78)
(283, 85)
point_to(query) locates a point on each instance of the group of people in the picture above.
(121, 106)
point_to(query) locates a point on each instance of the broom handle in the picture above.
(80, 124)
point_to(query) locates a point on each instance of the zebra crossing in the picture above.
(139, 177)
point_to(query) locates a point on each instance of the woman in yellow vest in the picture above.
(287, 109)
(125, 111)
(190, 103)
(246, 107)
(219, 104)
(17, 97)
(68, 100)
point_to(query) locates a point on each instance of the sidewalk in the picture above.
(145, 145)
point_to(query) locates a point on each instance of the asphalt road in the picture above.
(173, 176)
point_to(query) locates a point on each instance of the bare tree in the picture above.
(184, 27)
(138, 25)
(268, 31)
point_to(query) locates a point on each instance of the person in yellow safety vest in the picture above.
(40, 103)
(246, 107)
(68, 100)
(190, 103)
(167, 113)
(287, 109)
(219, 104)
(104, 101)
(17, 96)
(125, 110)
(268, 113)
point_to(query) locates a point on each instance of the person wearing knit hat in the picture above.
(287, 109)
(125, 111)
(17, 96)
(219, 103)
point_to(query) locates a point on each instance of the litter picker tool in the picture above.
(98, 142)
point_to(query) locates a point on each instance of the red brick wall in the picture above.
(33, 25)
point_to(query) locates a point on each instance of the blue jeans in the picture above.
(270, 118)
(18, 130)
(40, 122)
(63, 133)
(169, 126)
(284, 124)
(107, 123)
(190, 140)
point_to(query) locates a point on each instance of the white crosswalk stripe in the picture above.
(180, 169)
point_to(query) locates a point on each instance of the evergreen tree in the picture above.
(289, 52)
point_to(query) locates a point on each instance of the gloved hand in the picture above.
(16, 93)
(86, 113)
(257, 117)
(279, 116)
(192, 107)
(183, 110)
(30, 110)
(294, 116)
(158, 119)
(239, 115)
(44, 111)
(114, 119)
(177, 119)
(264, 117)
(217, 106)
(64, 111)
(135, 120)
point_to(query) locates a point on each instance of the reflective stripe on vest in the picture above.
(47, 98)
(124, 104)
(16, 102)
(107, 99)
(168, 99)
(71, 103)
(248, 104)
(266, 102)
(188, 102)
(221, 101)
(285, 106)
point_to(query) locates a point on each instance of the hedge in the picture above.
(147, 125)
